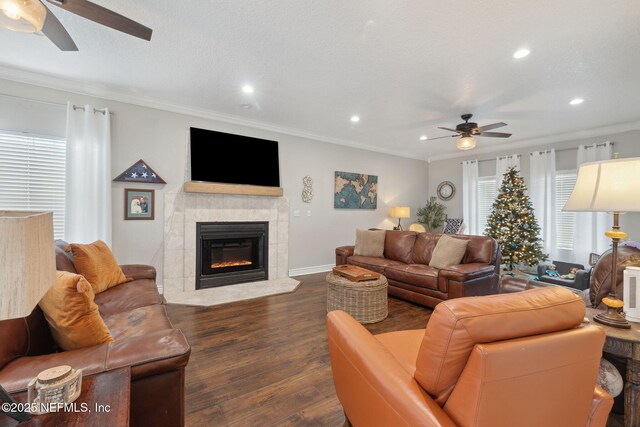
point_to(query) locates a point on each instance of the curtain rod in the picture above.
(95, 110)
(493, 159)
(557, 151)
(601, 144)
(57, 104)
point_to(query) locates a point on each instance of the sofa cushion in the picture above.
(72, 314)
(398, 245)
(96, 263)
(137, 322)
(457, 325)
(369, 243)
(448, 251)
(64, 260)
(404, 345)
(414, 274)
(128, 296)
(374, 264)
(423, 248)
(481, 249)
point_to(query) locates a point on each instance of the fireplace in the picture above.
(228, 253)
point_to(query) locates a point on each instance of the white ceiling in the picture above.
(405, 67)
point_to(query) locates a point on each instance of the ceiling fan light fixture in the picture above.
(466, 143)
(24, 16)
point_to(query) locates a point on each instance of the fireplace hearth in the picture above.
(229, 253)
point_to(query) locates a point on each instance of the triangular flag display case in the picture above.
(140, 172)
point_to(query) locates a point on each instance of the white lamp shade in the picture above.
(607, 186)
(28, 257)
(400, 212)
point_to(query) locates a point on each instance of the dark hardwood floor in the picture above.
(265, 361)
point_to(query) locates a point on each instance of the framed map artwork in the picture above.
(355, 191)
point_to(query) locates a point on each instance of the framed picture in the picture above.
(139, 204)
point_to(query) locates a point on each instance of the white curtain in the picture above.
(590, 226)
(542, 189)
(502, 164)
(88, 175)
(470, 196)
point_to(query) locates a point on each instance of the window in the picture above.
(32, 175)
(486, 196)
(565, 221)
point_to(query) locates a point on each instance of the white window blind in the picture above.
(32, 175)
(565, 221)
(486, 196)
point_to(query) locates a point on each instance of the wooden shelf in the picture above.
(239, 189)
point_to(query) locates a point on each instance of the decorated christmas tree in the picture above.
(513, 224)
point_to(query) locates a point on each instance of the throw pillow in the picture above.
(72, 314)
(370, 243)
(97, 264)
(448, 251)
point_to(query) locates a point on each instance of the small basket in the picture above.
(365, 301)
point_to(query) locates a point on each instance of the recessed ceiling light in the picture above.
(423, 138)
(521, 53)
(576, 101)
(247, 89)
(246, 106)
(355, 119)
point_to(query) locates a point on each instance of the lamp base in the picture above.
(612, 318)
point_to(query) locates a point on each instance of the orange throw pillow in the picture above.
(97, 264)
(72, 315)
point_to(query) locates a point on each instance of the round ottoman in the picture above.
(365, 301)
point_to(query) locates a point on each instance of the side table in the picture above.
(103, 402)
(366, 301)
(625, 343)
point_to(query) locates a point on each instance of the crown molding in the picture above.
(85, 88)
(546, 140)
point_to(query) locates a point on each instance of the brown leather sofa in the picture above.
(520, 359)
(406, 266)
(144, 339)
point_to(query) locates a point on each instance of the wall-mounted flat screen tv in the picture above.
(233, 159)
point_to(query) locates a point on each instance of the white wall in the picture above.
(627, 144)
(160, 138)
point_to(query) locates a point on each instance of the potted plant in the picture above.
(432, 215)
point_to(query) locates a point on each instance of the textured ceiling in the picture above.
(405, 67)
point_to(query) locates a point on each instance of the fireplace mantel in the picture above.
(239, 189)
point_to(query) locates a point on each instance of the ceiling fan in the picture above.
(30, 16)
(468, 130)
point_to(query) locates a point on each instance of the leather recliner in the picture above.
(519, 359)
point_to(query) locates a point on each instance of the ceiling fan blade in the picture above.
(54, 30)
(440, 137)
(104, 16)
(492, 126)
(449, 129)
(494, 134)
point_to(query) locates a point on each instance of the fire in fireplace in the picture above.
(231, 252)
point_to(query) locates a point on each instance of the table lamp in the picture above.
(400, 212)
(608, 186)
(28, 270)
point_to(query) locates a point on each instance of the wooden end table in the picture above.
(625, 343)
(105, 396)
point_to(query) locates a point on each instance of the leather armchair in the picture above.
(502, 360)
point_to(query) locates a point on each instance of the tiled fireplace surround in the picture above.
(181, 213)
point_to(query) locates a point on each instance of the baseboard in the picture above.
(310, 270)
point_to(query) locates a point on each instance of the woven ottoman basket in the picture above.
(365, 301)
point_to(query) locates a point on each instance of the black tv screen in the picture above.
(233, 159)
